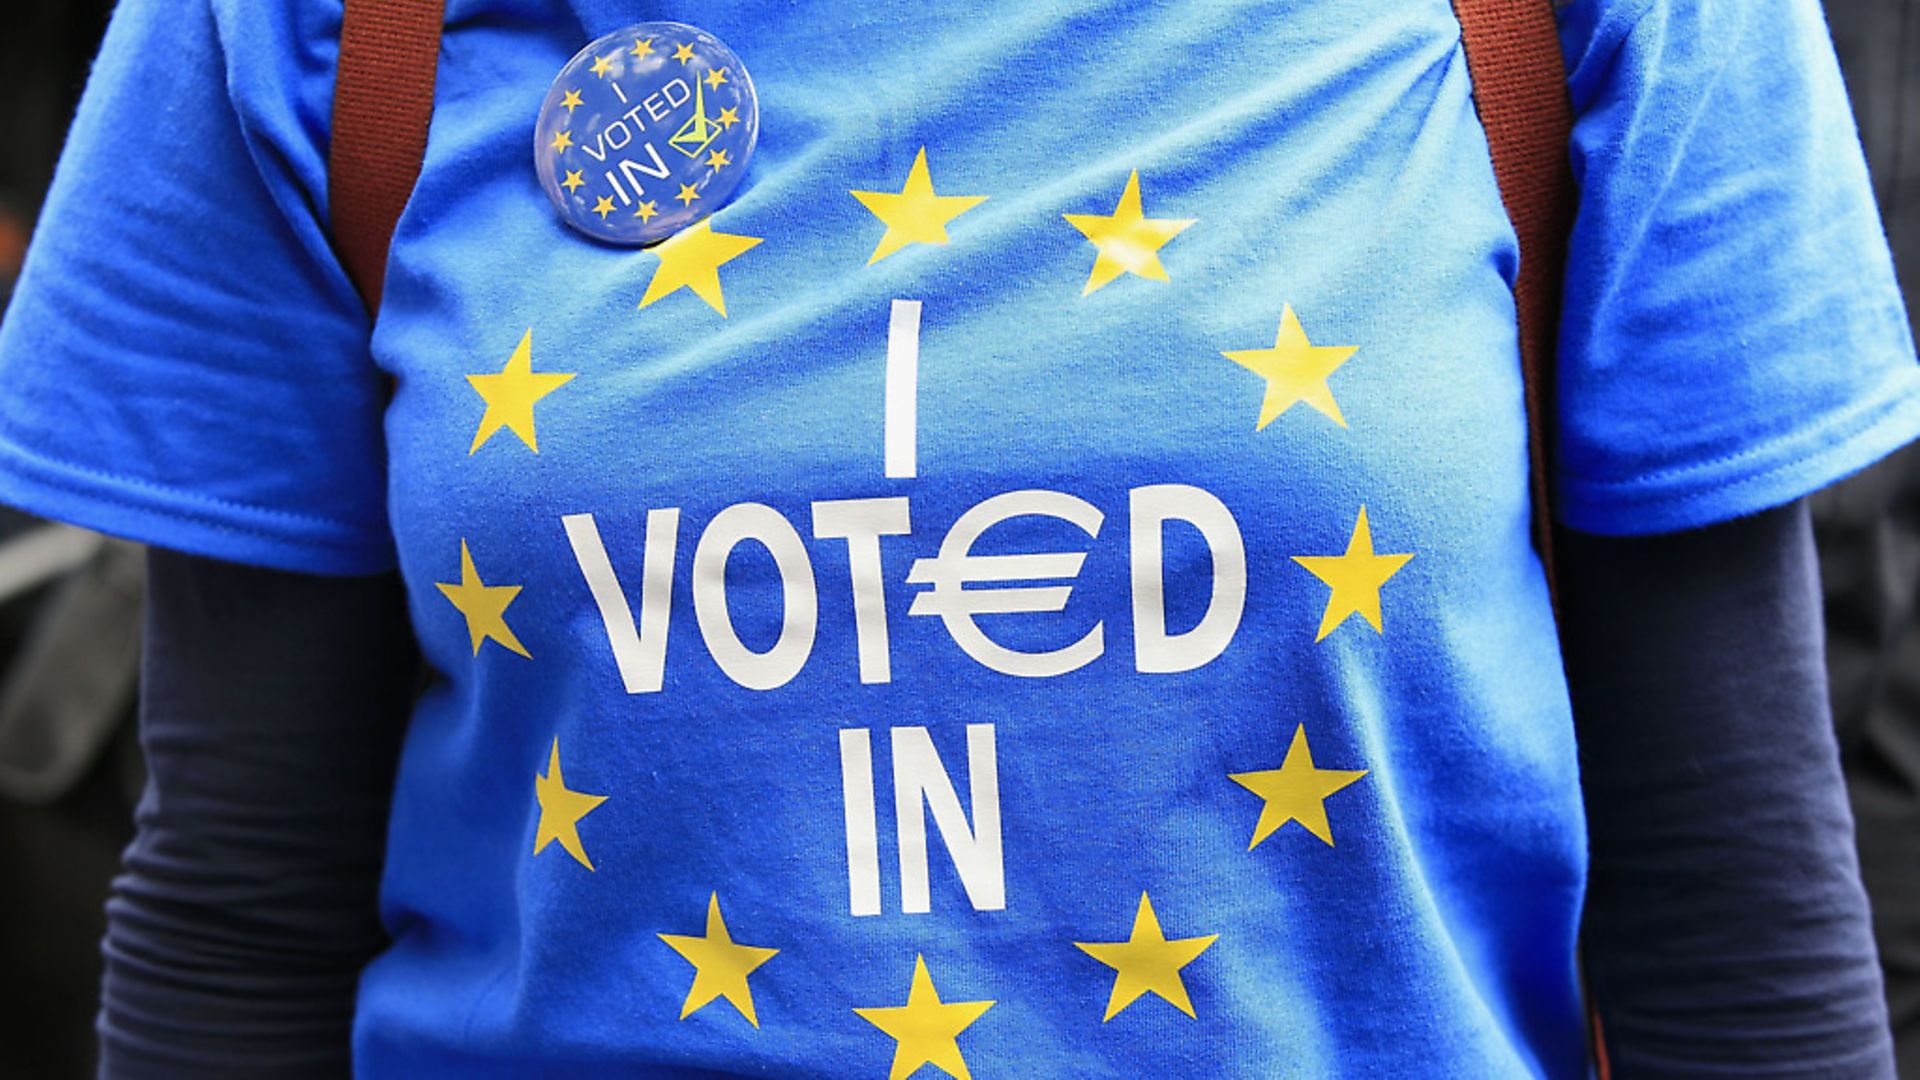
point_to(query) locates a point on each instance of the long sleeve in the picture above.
(272, 710)
(1726, 931)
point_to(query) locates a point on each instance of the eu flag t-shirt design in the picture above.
(965, 590)
(1038, 584)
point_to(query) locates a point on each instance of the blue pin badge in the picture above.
(645, 132)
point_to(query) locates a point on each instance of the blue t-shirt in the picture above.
(1040, 584)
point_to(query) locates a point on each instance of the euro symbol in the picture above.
(956, 566)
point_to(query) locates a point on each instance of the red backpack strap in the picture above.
(1520, 88)
(382, 101)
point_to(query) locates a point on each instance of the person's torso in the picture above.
(922, 639)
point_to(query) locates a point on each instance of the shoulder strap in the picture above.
(1520, 88)
(382, 101)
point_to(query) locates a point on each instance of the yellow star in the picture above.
(483, 605)
(1354, 577)
(646, 211)
(683, 52)
(716, 77)
(718, 160)
(687, 194)
(510, 395)
(727, 118)
(1296, 791)
(571, 101)
(561, 811)
(915, 214)
(1129, 242)
(1296, 370)
(562, 140)
(603, 206)
(1147, 962)
(720, 967)
(926, 1028)
(603, 64)
(573, 181)
(693, 259)
(641, 49)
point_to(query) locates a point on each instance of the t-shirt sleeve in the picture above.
(1732, 335)
(184, 362)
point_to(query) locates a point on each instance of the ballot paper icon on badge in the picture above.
(700, 129)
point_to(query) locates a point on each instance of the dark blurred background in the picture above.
(69, 600)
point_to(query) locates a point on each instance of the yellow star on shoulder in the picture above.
(718, 160)
(1296, 791)
(727, 118)
(510, 395)
(642, 48)
(914, 214)
(687, 194)
(603, 64)
(926, 1028)
(571, 101)
(1128, 241)
(561, 140)
(1147, 962)
(573, 181)
(603, 206)
(1354, 577)
(716, 77)
(646, 211)
(483, 605)
(561, 811)
(692, 259)
(720, 967)
(1296, 370)
(683, 52)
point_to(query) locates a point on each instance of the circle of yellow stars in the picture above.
(927, 1029)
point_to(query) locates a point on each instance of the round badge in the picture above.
(645, 132)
